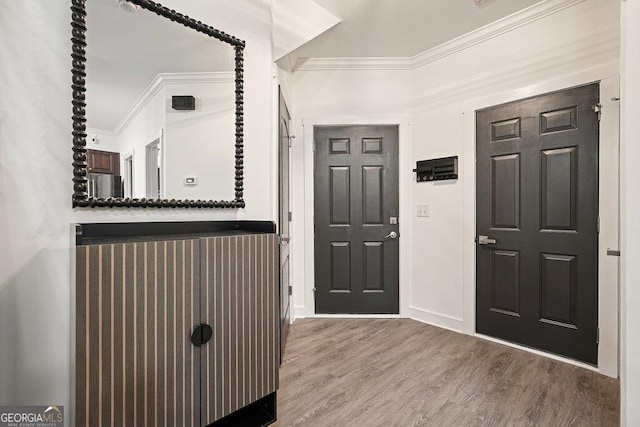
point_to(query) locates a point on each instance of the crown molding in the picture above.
(492, 30)
(480, 35)
(320, 64)
(160, 81)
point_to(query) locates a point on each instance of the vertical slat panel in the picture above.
(128, 332)
(160, 332)
(93, 331)
(226, 327)
(117, 345)
(141, 308)
(218, 304)
(240, 301)
(105, 335)
(135, 312)
(151, 334)
(275, 314)
(180, 332)
(170, 343)
(261, 318)
(246, 326)
(253, 260)
(193, 365)
(238, 314)
(139, 330)
(233, 371)
(82, 265)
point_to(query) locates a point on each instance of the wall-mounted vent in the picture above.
(437, 169)
(182, 103)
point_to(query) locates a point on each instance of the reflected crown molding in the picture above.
(160, 81)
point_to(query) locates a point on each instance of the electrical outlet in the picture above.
(423, 210)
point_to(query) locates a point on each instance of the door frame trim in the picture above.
(608, 276)
(404, 194)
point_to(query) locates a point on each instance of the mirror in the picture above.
(157, 103)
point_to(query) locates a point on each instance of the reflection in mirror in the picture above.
(141, 68)
(127, 176)
(153, 162)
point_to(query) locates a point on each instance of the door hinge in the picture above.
(290, 290)
(315, 289)
(598, 336)
(290, 216)
(598, 224)
(291, 138)
(597, 108)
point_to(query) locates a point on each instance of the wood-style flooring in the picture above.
(399, 372)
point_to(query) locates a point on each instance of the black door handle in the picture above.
(201, 334)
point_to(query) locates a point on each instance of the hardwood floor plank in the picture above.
(399, 372)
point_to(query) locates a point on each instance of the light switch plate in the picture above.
(423, 210)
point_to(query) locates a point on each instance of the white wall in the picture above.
(333, 93)
(35, 198)
(145, 127)
(582, 37)
(579, 38)
(104, 140)
(630, 155)
(201, 143)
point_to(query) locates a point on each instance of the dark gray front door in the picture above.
(284, 221)
(356, 206)
(537, 197)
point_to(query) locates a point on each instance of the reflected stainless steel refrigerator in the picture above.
(105, 185)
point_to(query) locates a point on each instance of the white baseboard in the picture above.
(357, 316)
(436, 319)
(419, 314)
(299, 312)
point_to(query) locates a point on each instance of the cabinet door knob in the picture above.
(201, 334)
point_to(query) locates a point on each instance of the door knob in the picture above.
(485, 240)
(201, 334)
(392, 235)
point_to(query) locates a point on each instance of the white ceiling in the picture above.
(126, 51)
(401, 28)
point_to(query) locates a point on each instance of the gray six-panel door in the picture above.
(356, 206)
(537, 198)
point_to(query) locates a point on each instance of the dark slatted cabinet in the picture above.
(139, 306)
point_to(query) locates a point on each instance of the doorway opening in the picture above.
(153, 165)
(128, 163)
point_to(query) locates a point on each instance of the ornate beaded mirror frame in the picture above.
(81, 197)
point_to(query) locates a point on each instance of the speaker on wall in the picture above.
(182, 103)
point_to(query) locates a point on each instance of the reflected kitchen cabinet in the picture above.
(103, 162)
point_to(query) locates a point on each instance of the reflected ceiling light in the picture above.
(128, 6)
(478, 1)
